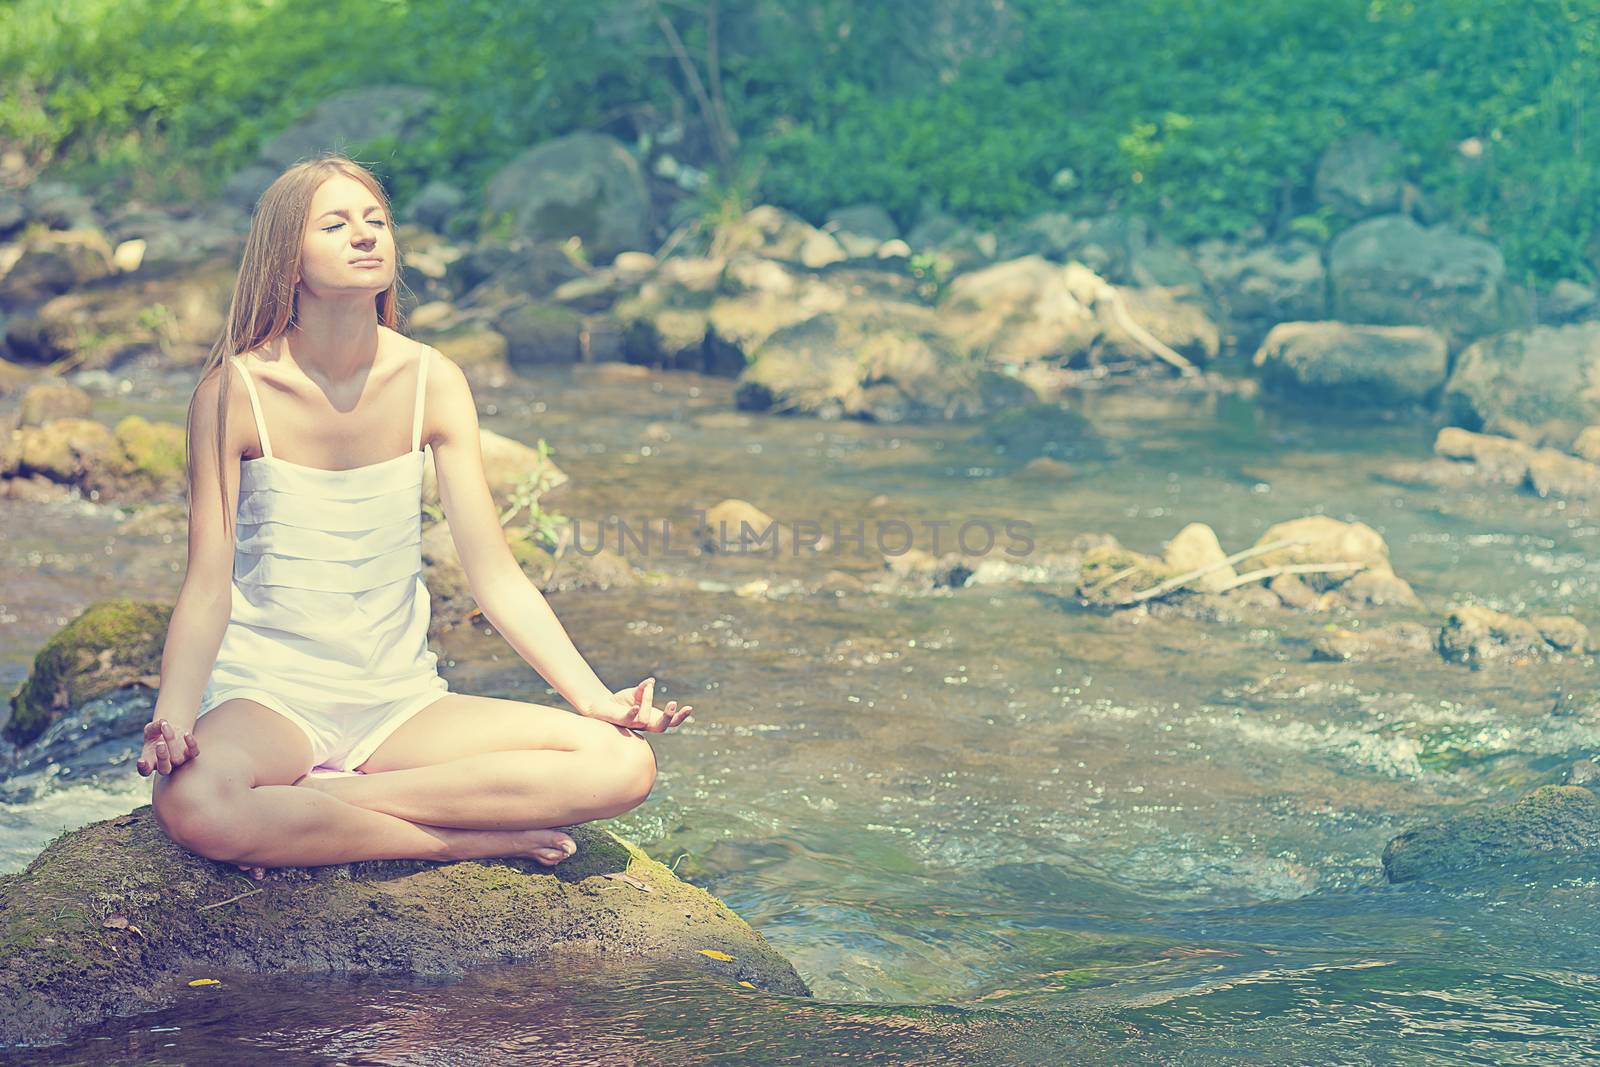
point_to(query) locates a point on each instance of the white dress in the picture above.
(329, 626)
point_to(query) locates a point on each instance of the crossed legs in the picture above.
(467, 777)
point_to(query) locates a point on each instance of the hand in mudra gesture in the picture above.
(633, 709)
(163, 755)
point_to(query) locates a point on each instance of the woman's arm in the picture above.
(505, 595)
(205, 600)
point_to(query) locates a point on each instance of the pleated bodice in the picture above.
(330, 609)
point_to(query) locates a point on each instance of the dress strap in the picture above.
(416, 419)
(255, 406)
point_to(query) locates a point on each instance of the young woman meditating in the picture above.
(301, 719)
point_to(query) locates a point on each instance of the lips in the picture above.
(367, 261)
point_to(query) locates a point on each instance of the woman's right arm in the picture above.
(205, 600)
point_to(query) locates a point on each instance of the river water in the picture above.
(984, 824)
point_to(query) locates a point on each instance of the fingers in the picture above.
(163, 757)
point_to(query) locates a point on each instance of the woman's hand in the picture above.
(161, 749)
(632, 708)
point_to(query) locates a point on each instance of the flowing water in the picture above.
(985, 824)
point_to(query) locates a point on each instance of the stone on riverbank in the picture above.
(1551, 820)
(112, 643)
(1535, 385)
(1355, 366)
(1476, 635)
(115, 918)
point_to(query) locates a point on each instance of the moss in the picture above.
(154, 448)
(66, 969)
(111, 644)
(1552, 819)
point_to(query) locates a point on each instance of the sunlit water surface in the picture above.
(984, 824)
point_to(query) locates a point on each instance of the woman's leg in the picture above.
(486, 763)
(235, 803)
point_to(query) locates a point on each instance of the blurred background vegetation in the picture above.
(1206, 116)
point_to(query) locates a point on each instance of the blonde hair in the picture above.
(265, 296)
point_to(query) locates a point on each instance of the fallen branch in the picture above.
(1149, 341)
(1184, 579)
(1291, 568)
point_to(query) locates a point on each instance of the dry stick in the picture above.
(230, 900)
(1184, 579)
(1291, 568)
(1149, 340)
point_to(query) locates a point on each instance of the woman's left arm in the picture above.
(507, 598)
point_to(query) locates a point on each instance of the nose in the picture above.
(363, 233)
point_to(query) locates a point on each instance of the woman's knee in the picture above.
(635, 761)
(200, 811)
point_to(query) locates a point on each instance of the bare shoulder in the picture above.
(449, 409)
(238, 431)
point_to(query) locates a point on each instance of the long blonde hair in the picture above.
(265, 297)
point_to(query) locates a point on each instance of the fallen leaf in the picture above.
(205, 981)
(714, 954)
(748, 985)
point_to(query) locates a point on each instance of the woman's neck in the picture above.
(334, 341)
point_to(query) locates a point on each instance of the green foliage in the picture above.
(1206, 116)
(542, 527)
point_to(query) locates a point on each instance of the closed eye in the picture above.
(335, 226)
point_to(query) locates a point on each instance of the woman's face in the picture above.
(347, 247)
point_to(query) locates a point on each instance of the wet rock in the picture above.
(539, 334)
(1020, 311)
(53, 262)
(861, 229)
(119, 901)
(438, 206)
(1376, 589)
(829, 364)
(471, 348)
(739, 527)
(1587, 446)
(1477, 635)
(1259, 287)
(1568, 301)
(1196, 547)
(1252, 599)
(176, 317)
(1112, 573)
(1552, 473)
(136, 459)
(1498, 459)
(1553, 820)
(1356, 366)
(1393, 641)
(52, 399)
(774, 233)
(1125, 250)
(1036, 431)
(109, 645)
(1533, 385)
(1293, 593)
(1561, 632)
(1321, 541)
(1391, 271)
(952, 570)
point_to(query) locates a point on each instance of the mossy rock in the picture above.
(113, 643)
(155, 449)
(1552, 820)
(1111, 573)
(115, 918)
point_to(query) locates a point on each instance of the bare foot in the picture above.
(258, 873)
(549, 847)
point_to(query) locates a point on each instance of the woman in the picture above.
(296, 660)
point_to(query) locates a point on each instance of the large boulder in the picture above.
(1258, 287)
(1541, 386)
(53, 262)
(114, 919)
(137, 458)
(1551, 821)
(879, 360)
(109, 645)
(1390, 271)
(345, 121)
(176, 316)
(1355, 366)
(584, 185)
